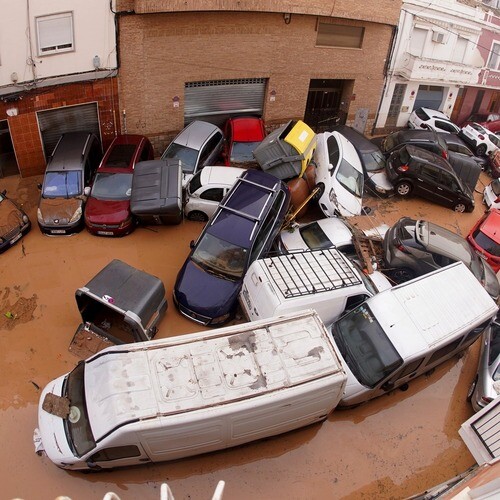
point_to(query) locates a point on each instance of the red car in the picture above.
(485, 238)
(107, 212)
(243, 134)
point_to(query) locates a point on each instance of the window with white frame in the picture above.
(55, 33)
(494, 60)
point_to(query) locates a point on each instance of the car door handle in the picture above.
(420, 180)
(439, 189)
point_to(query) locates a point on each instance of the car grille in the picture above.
(12, 233)
(203, 320)
(105, 226)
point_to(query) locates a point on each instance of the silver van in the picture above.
(66, 183)
(409, 329)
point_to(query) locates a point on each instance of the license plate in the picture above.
(105, 233)
(58, 231)
(17, 237)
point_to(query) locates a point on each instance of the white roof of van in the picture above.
(196, 371)
(429, 309)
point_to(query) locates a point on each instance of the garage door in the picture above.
(429, 96)
(54, 122)
(215, 101)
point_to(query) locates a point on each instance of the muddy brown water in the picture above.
(392, 447)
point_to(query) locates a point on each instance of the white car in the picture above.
(481, 139)
(339, 175)
(431, 119)
(206, 189)
(316, 235)
(491, 194)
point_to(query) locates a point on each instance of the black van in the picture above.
(66, 183)
(414, 170)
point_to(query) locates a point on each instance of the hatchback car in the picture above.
(481, 139)
(416, 247)
(206, 189)
(485, 237)
(491, 194)
(372, 161)
(240, 231)
(243, 134)
(197, 145)
(339, 175)
(416, 171)
(425, 139)
(486, 384)
(107, 212)
(14, 223)
(66, 183)
(426, 118)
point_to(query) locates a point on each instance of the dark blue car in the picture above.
(241, 230)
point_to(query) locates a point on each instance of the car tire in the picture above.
(404, 188)
(402, 274)
(471, 390)
(197, 216)
(481, 150)
(321, 190)
(459, 208)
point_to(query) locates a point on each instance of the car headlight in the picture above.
(77, 215)
(39, 216)
(380, 189)
(332, 196)
(126, 223)
(25, 219)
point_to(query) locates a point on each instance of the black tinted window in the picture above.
(116, 453)
(214, 194)
(333, 150)
(430, 173)
(444, 351)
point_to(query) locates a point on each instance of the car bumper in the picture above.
(14, 237)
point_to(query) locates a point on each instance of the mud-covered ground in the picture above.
(392, 447)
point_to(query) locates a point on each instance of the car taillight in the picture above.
(486, 400)
(403, 168)
(444, 154)
(481, 137)
(401, 248)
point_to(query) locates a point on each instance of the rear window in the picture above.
(486, 242)
(374, 161)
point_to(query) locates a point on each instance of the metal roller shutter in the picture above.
(54, 122)
(215, 101)
(429, 96)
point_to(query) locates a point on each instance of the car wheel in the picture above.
(404, 188)
(402, 274)
(481, 150)
(459, 207)
(197, 216)
(471, 390)
(321, 190)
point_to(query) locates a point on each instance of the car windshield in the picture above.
(77, 425)
(374, 161)
(365, 347)
(62, 184)
(243, 151)
(187, 156)
(110, 186)
(194, 183)
(350, 178)
(220, 257)
(314, 237)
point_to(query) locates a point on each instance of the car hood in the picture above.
(10, 217)
(59, 209)
(204, 293)
(107, 211)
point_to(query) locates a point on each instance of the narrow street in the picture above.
(392, 447)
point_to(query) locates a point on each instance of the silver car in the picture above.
(486, 385)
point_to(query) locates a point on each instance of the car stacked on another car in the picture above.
(416, 247)
(417, 171)
(243, 134)
(426, 118)
(199, 144)
(107, 212)
(425, 139)
(241, 230)
(14, 223)
(491, 194)
(339, 175)
(485, 237)
(458, 146)
(372, 161)
(480, 138)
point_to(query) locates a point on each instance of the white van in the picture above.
(324, 280)
(181, 396)
(406, 331)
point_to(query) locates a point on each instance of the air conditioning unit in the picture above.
(437, 37)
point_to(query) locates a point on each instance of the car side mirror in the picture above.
(4, 192)
(86, 190)
(191, 244)
(39, 186)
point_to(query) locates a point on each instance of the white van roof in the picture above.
(427, 310)
(201, 370)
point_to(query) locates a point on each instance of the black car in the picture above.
(417, 171)
(14, 223)
(372, 161)
(426, 139)
(457, 145)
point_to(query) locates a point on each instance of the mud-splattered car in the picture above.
(14, 223)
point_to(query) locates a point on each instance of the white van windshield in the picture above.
(77, 425)
(365, 347)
